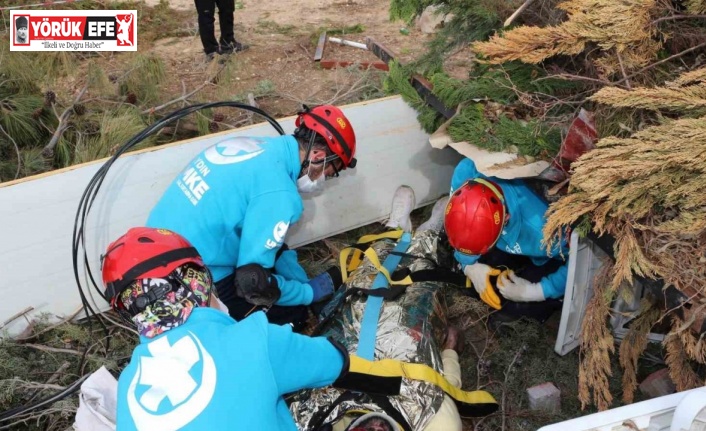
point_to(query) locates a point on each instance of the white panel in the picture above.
(652, 415)
(584, 263)
(37, 214)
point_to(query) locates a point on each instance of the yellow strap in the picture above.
(393, 234)
(343, 261)
(492, 187)
(357, 256)
(419, 372)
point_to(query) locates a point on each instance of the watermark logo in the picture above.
(73, 30)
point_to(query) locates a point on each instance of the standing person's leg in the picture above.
(226, 11)
(207, 31)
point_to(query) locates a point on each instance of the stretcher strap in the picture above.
(369, 324)
(357, 250)
(470, 404)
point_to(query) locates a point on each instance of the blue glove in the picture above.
(325, 283)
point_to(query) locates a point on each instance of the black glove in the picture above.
(256, 285)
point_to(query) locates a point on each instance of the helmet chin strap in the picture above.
(310, 145)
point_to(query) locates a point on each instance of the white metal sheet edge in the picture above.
(37, 215)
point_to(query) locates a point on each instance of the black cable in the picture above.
(17, 411)
(79, 238)
(94, 185)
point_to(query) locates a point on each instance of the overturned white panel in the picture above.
(37, 214)
(585, 259)
(675, 412)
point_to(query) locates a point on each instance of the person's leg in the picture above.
(206, 13)
(435, 221)
(226, 10)
(228, 44)
(402, 205)
(447, 417)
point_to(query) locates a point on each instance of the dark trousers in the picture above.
(525, 268)
(207, 31)
(238, 308)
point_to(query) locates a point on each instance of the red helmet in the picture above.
(475, 216)
(329, 122)
(144, 252)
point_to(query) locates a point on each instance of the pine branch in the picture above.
(17, 150)
(182, 98)
(48, 150)
(678, 99)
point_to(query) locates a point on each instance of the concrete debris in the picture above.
(545, 397)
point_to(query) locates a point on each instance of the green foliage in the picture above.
(398, 82)
(146, 73)
(497, 83)
(471, 20)
(16, 116)
(528, 138)
(203, 120)
(350, 29)
(269, 26)
(116, 128)
(407, 9)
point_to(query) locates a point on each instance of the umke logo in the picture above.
(73, 30)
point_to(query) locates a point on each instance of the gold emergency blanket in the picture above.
(409, 329)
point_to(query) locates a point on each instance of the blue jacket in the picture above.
(234, 202)
(523, 232)
(213, 373)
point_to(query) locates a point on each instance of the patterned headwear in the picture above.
(191, 287)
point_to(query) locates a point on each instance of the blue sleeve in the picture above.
(465, 259)
(299, 361)
(265, 225)
(464, 171)
(287, 265)
(554, 285)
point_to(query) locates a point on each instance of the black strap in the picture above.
(334, 132)
(439, 274)
(318, 418)
(164, 259)
(384, 403)
(388, 294)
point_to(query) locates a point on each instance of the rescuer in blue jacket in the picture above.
(236, 200)
(195, 367)
(493, 224)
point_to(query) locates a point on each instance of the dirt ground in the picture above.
(282, 39)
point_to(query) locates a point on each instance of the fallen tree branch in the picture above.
(677, 17)
(515, 14)
(21, 313)
(184, 97)
(48, 150)
(49, 328)
(181, 98)
(622, 69)
(657, 63)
